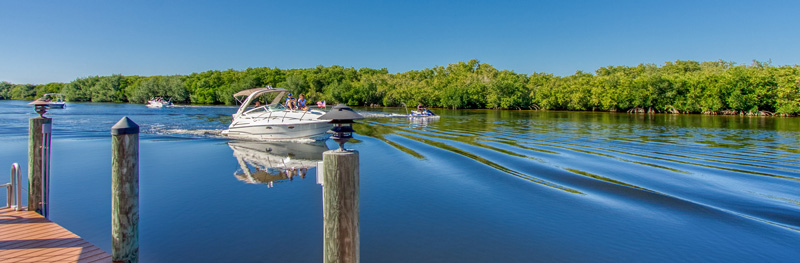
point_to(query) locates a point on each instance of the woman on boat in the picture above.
(301, 102)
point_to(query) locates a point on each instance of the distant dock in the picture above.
(26, 236)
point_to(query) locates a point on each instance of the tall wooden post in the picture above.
(125, 191)
(340, 206)
(38, 163)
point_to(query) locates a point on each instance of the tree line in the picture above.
(714, 87)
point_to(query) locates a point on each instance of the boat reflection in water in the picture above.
(271, 162)
(422, 122)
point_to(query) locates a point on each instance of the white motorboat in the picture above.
(158, 103)
(274, 121)
(273, 162)
(56, 100)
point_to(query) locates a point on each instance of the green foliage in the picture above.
(167, 87)
(109, 89)
(80, 89)
(5, 90)
(788, 90)
(53, 87)
(23, 92)
(680, 86)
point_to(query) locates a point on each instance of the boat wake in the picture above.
(217, 133)
(195, 132)
(373, 114)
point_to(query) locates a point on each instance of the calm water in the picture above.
(474, 186)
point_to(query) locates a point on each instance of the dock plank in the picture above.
(26, 236)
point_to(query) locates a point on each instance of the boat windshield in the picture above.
(276, 107)
(267, 108)
(54, 97)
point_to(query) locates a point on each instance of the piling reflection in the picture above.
(274, 162)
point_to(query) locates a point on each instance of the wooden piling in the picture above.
(38, 134)
(125, 191)
(340, 206)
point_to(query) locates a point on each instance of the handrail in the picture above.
(10, 191)
(14, 188)
(18, 185)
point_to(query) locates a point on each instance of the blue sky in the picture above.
(59, 41)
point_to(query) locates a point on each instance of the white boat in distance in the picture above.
(274, 121)
(56, 100)
(158, 103)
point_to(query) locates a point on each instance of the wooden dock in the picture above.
(26, 236)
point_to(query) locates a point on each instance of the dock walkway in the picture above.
(26, 236)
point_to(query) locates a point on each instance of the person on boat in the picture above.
(290, 102)
(258, 104)
(420, 109)
(301, 103)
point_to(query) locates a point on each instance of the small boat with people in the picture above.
(56, 100)
(274, 121)
(422, 112)
(159, 102)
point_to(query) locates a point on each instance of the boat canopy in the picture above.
(252, 94)
(247, 92)
(57, 96)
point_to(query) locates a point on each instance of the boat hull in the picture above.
(312, 130)
(157, 105)
(57, 105)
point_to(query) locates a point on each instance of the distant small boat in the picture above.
(56, 100)
(425, 113)
(158, 103)
(420, 113)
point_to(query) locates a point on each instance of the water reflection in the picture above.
(273, 162)
(422, 122)
(744, 165)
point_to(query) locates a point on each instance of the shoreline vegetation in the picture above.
(714, 87)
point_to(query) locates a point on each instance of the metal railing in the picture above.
(14, 188)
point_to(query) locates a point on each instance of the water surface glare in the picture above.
(472, 186)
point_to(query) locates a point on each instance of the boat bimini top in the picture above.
(246, 97)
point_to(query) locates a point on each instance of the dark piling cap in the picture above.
(125, 126)
(341, 113)
(40, 106)
(339, 129)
